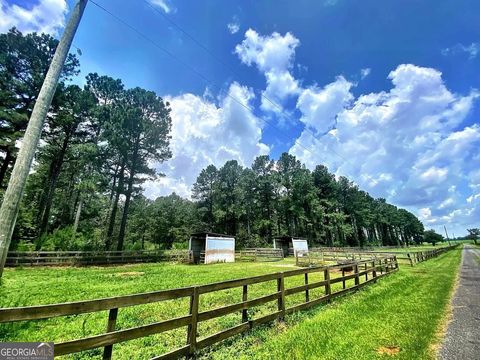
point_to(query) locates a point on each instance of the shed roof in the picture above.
(205, 234)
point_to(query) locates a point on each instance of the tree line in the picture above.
(98, 146)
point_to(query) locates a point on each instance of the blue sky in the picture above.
(383, 92)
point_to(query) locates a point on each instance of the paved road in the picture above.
(462, 340)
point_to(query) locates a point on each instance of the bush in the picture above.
(63, 240)
(25, 246)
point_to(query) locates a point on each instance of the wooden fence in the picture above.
(60, 258)
(419, 256)
(364, 273)
(259, 254)
(412, 257)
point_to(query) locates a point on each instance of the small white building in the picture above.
(289, 242)
(208, 248)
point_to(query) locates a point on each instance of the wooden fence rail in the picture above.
(334, 254)
(59, 258)
(364, 273)
(259, 254)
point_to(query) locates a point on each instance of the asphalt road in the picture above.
(462, 340)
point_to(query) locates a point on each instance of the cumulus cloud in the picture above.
(46, 16)
(273, 55)
(407, 144)
(320, 106)
(204, 133)
(472, 50)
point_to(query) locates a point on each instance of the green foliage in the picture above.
(284, 198)
(473, 234)
(430, 236)
(59, 239)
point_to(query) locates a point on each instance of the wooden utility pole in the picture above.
(18, 178)
(446, 233)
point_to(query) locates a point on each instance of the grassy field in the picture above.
(391, 305)
(398, 317)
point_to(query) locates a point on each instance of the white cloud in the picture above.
(472, 50)
(364, 73)
(233, 27)
(204, 133)
(319, 107)
(273, 55)
(413, 131)
(424, 213)
(165, 5)
(47, 16)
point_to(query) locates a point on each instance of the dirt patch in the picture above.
(388, 350)
(130, 273)
(281, 327)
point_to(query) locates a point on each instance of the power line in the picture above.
(219, 60)
(207, 80)
(203, 77)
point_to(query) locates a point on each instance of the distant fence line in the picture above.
(318, 255)
(63, 258)
(364, 272)
(59, 258)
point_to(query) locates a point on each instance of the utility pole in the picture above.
(18, 178)
(446, 233)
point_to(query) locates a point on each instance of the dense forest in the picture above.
(98, 146)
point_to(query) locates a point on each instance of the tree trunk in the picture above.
(123, 224)
(77, 218)
(114, 208)
(55, 169)
(3, 169)
(18, 178)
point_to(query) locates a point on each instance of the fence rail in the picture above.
(319, 255)
(59, 258)
(259, 254)
(364, 272)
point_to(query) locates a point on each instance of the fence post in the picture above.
(281, 298)
(307, 293)
(396, 261)
(328, 290)
(366, 274)
(374, 271)
(192, 328)
(244, 298)
(409, 259)
(357, 278)
(343, 277)
(112, 320)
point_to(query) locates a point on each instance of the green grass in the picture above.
(402, 313)
(401, 310)
(36, 286)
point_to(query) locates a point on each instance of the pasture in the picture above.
(34, 286)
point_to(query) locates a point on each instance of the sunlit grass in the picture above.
(373, 317)
(398, 317)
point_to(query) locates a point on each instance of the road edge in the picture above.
(447, 317)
